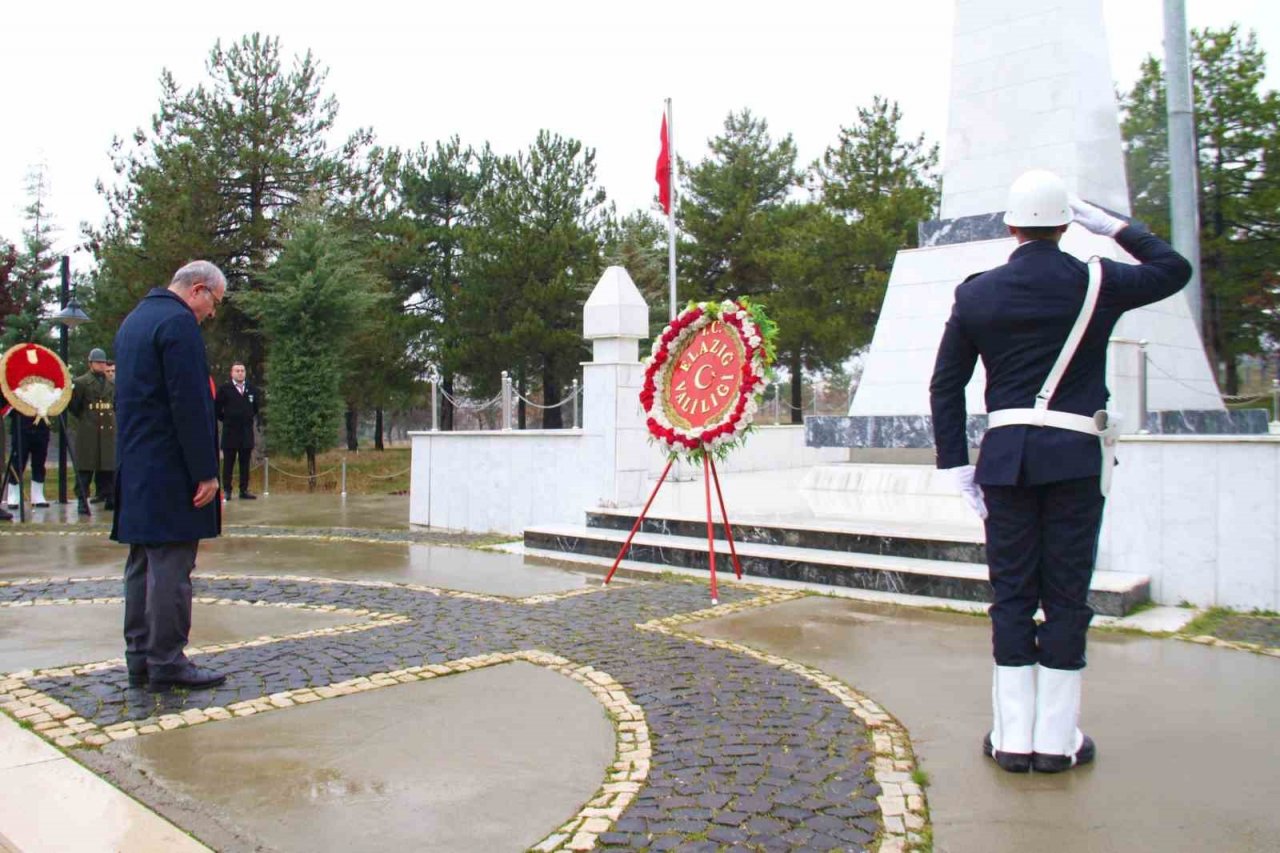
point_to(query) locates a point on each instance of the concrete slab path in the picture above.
(1188, 749)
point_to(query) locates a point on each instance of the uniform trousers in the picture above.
(229, 456)
(35, 447)
(157, 606)
(1042, 542)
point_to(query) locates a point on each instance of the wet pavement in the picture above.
(59, 635)
(723, 747)
(482, 761)
(1187, 742)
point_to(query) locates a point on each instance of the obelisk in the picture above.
(1031, 87)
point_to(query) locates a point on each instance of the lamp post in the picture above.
(68, 318)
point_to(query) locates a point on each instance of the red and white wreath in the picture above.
(706, 376)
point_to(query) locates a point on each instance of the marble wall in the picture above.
(1200, 515)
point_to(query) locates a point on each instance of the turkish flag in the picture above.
(663, 173)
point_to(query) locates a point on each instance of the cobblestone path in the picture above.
(743, 750)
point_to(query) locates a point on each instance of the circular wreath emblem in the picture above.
(706, 375)
(35, 381)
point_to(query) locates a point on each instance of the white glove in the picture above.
(1095, 219)
(962, 477)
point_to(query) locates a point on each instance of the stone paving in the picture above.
(717, 746)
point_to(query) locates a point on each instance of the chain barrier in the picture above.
(280, 470)
(467, 404)
(1227, 398)
(389, 476)
(563, 402)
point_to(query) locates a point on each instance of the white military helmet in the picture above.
(1038, 198)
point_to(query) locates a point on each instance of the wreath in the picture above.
(706, 375)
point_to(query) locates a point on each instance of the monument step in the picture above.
(869, 539)
(1111, 593)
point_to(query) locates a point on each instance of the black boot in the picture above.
(1011, 762)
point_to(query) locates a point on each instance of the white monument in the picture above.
(1030, 88)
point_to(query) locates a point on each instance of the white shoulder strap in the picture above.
(1073, 339)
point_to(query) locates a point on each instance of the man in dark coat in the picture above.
(237, 407)
(93, 403)
(1038, 482)
(167, 472)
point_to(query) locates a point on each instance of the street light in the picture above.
(68, 318)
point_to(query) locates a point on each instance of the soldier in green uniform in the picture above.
(93, 403)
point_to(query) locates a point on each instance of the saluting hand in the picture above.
(206, 490)
(1095, 219)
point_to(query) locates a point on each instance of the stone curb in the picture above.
(1237, 645)
(903, 806)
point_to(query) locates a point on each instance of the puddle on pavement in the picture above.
(491, 759)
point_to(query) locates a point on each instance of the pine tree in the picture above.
(319, 292)
(531, 261)
(1238, 140)
(725, 206)
(215, 176)
(29, 288)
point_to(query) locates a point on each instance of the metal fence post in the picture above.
(506, 400)
(1142, 387)
(266, 475)
(576, 389)
(435, 401)
(344, 476)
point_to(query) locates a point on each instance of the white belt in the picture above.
(1104, 425)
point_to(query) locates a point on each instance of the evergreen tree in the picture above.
(30, 282)
(725, 207)
(1238, 140)
(438, 188)
(531, 261)
(319, 292)
(214, 177)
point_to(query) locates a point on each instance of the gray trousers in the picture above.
(157, 606)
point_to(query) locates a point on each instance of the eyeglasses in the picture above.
(217, 301)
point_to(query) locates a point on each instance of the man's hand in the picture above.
(969, 490)
(1095, 219)
(206, 491)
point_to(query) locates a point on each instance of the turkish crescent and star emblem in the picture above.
(705, 379)
(35, 381)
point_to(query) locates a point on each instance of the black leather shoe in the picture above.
(138, 677)
(83, 509)
(5, 515)
(1011, 762)
(1059, 763)
(191, 677)
(109, 506)
(245, 496)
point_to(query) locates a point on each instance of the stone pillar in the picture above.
(615, 319)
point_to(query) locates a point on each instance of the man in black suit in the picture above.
(1040, 479)
(237, 407)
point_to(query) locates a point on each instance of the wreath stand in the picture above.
(709, 476)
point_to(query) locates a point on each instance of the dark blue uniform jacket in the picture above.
(1017, 318)
(166, 436)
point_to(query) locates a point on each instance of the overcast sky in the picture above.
(76, 73)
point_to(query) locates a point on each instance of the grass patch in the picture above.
(1208, 622)
(369, 472)
(920, 777)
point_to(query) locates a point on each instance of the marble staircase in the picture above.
(903, 561)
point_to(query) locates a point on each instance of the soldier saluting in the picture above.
(1040, 324)
(93, 404)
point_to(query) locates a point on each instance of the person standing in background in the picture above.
(237, 407)
(93, 404)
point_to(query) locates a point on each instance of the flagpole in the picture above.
(671, 212)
